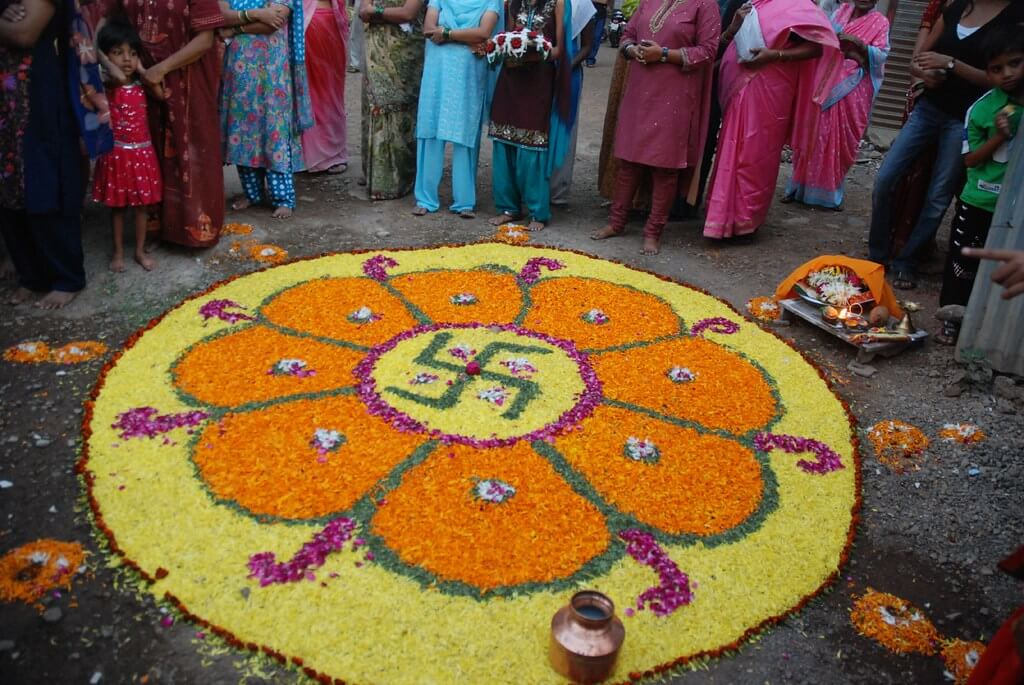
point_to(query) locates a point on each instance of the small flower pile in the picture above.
(963, 433)
(681, 374)
(520, 367)
(595, 317)
(325, 440)
(513, 45)
(267, 253)
(363, 315)
(960, 657)
(30, 571)
(531, 272)
(717, 324)
(897, 444)
(218, 309)
(236, 229)
(764, 308)
(265, 568)
(641, 450)
(147, 422)
(836, 285)
(495, 395)
(493, 490)
(376, 267)
(38, 352)
(463, 299)
(291, 367)
(513, 234)
(674, 589)
(424, 379)
(894, 622)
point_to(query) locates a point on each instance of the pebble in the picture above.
(53, 615)
(954, 390)
(107, 631)
(863, 370)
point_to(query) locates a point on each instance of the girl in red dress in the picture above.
(128, 175)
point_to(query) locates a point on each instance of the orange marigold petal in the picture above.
(266, 462)
(30, 571)
(727, 391)
(323, 308)
(559, 305)
(234, 369)
(543, 532)
(700, 484)
(498, 298)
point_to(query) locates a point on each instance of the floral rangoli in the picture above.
(395, 467)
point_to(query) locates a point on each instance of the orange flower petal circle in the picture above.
(265, 460)
(30, 571)
(558, 306)
(894, 622)
(498, 298)
(701, 484)
(323, 307)
(545, 531)
(233, 370)
(31, 352)
(727, 392)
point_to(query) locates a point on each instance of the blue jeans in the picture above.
(599, 19)
(926, 126)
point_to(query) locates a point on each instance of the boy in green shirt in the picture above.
(991, 123)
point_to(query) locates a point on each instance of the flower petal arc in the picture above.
(267, 461)
(545, 531)
(323, 308)
(235, 369)
(498, 297)
(700, 484)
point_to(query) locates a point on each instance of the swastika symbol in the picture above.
(525, 390)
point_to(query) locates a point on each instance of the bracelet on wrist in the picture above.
(664, 55)
(378, 10)
(241, 28)
(245, 16)
(446, 34)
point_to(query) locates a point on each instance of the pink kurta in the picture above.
(763, 109)
(818, 172)
(664, 112)
(325, 144)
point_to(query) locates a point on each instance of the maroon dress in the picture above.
(128, 175)
(521, 108)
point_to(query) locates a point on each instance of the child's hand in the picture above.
(1010, 274)
(1003, 125)
(14, 13)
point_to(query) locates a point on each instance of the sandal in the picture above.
(904, 280)
(338, 168)
(949, 333)
(467, 214)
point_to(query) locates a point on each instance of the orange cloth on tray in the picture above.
(871, 273)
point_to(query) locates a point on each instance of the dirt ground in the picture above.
(932, 536)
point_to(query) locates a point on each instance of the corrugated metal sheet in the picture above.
(888, 111)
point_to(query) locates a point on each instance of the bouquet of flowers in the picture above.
(513, 45)
(834, 285)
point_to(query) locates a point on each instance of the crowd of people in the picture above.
(703, 94)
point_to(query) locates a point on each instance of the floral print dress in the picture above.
(257, 100)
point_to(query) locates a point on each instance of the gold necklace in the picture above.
(659, 17)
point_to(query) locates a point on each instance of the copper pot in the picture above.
(586, 637)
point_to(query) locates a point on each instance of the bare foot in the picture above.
(535, 226)
(117, 263)
(7, 271)
(502, 219)
(19, 296)
(145, 261)
(55, 299)
(240, 202)
(419, 211)
(282, 213)
(605, 233)
(652, 246)
(467, 214)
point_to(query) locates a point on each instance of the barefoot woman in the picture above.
(40, 193)
(664, 112)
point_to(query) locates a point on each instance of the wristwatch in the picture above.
(664, 55)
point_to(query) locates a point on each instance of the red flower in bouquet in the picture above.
(532, 35)
(517, 42)
(501, 39)
(491, 47)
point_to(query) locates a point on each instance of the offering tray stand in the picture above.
(866, 351)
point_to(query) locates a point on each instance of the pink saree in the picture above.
(325, 144)
(763, 108)
(818, 171)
